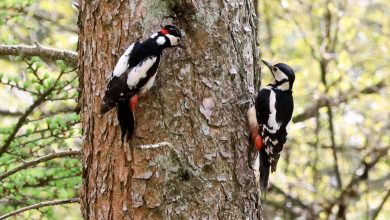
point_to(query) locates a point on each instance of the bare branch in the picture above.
(378, 210)
(356, 178)
(322, 102)
(42, 51)
(282, 206)
(305, 36)
(40, 160)
(40, 205)
(9, 113)
(333, 146)
(297, 202)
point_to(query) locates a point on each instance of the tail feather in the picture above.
(106, 105)
(264, 171)
(126, 120)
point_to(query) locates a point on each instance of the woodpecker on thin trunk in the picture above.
(270, 118)
(134, 74)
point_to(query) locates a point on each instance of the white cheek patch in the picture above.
(284, 87)
(123, 61)
(140, 71)
(279, 75)
(161, 40)
(174, 40)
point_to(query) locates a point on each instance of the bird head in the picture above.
(282, 74)
(172, 33)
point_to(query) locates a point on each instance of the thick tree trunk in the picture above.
(189, 156)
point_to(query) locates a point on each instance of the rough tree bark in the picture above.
(190, 156)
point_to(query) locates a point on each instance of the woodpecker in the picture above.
(134, 74)
(270, 118)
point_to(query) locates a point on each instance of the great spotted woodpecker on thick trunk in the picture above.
(270, 118)
(134, 74)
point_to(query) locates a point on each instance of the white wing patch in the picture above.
(149, 84)
(153, 35)
(140, 71)
(269, 150)
(123, 62)
(173, 39)
(272, 116)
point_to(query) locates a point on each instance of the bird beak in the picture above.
(268, 65)
(181, 45)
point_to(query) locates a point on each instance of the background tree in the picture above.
(339, 50)
(189, 156)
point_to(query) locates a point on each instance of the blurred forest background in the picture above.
(335, 162)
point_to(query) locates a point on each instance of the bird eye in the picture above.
(275, 69)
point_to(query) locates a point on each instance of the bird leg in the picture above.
(257, 139)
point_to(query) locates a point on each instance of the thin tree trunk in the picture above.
(189, 156)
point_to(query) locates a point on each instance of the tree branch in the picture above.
(40, 205)
(9, 113)
(322, 102)
(293, 200)
(356, 179)
(42, 51)
(378, 210)
(40, 160)
(282, 206)
(23, 118)
(305, 36)
(333, 146)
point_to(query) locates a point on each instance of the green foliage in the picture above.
(352, 39)
(38, 112)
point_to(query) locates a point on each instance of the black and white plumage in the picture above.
(270, 118)
(135, 73)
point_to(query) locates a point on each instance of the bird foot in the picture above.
(257, 140)
(133, 102)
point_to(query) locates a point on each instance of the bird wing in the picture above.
(142, 72)
(123, 63)
(121, 88)
(274, 110)
(262, 106)
(284, 107)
